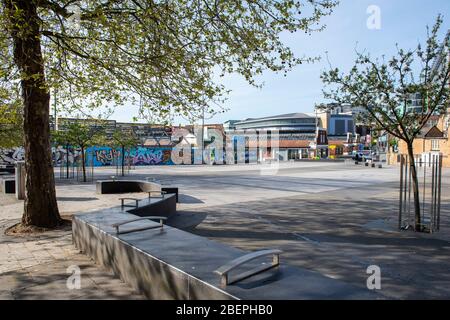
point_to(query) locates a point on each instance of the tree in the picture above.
(96, 53)
(11, 134)
(123, 139)
(11, 111)
(81, 135)
(384, 89)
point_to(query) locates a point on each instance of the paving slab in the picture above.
(332, 218)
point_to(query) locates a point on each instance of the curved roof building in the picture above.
(298, 122)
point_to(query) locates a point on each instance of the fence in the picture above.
(429, 173)
(118, 158)
(69, 166)
(88, 174)
(66, 169)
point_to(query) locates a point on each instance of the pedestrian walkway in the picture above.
(40, 267)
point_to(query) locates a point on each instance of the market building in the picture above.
(291, 136)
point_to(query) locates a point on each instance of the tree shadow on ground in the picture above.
(329, 233)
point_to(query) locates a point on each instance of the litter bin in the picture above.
(20, 180)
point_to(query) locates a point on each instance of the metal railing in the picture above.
(429, 174)
(225, 269)
(123, 205)
(119, 224)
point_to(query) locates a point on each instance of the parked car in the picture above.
(362, 156)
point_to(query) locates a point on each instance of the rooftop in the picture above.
(281, 116)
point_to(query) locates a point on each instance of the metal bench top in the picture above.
(118, 224)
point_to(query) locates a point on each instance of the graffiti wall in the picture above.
(97, 156)
(149, 156)
(102, 156)
(60, 155)
(140, 156)
(10, 156)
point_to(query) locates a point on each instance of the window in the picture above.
(350, 127)
(339, 127)
(434, 145)
(432, 123)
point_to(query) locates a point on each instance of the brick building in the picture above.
(433, 139)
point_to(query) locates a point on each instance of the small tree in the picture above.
(82, 136)
(123, 139)
(104, 52)
(384, 89)
(11, 133)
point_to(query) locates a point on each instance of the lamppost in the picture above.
(203, 134)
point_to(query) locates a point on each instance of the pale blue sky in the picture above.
(402, 22)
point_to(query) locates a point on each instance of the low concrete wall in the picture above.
(125, 186)
(166, 207)
(146, 273)
(173, 264)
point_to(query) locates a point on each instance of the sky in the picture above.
(401, 21)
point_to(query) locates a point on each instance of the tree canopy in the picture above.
(386, 88)
(164, 55)
(11, 133)
(81, 135)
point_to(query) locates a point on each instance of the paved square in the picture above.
(331, 217)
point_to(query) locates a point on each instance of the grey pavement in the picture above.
(331, 217)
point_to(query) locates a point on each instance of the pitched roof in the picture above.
(434, 132)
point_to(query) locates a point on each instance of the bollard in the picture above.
(20, 180)
(373, 165)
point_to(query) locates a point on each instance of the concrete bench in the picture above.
(165, 205)
(130, 186)
(169, 190)
(158, 202)
(126, 186)
(168, 263)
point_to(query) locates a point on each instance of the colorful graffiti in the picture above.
(149, 156)
(60, 155)
(103, 156)
(140, 156)
(10, 156)
(98, 156)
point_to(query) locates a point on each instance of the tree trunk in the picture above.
(40, 208)
(83, 164)
(67, 161)
(415, 182)
(123, 161)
